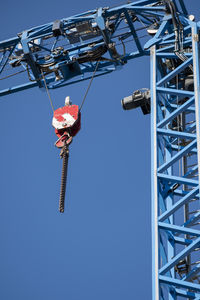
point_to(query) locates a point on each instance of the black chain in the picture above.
(65, 156)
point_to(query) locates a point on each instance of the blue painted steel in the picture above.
(176, 71)
(173, 262)
(179, 283)
(178, 204)
(93, 37)
(154, 191)
(176, 112)
(190, 295)
(175, 163)
(85, 39)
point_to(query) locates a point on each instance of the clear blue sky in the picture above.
(100, 248)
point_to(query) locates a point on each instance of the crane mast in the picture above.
(175, 172)
(68, 51)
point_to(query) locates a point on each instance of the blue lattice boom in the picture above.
(66, 51)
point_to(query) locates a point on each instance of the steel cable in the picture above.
(51, 102)
(89, 85)
(8, 76)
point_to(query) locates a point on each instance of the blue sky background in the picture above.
(100, 248)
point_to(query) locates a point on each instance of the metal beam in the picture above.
(178, 204)
(179, 283)
(179, 256)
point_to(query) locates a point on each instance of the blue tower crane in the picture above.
(101, 41)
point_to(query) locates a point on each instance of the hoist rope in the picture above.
(89, 85)
(84, 98)
(51, 102)
(8, 76)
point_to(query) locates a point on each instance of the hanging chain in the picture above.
(65, 156)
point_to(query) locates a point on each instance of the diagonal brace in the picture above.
(175, 72)
(186, 294)
(175, 113)
(180, 256)
(178, 204)
(29, 58)
(133, 31)
(177, 156)
(192, 273)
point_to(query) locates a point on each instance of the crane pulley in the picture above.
(67, 123)
(67, 51)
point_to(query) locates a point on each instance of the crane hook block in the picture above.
(67, 123)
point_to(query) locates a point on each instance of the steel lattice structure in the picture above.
(175, 161)
(68, 51)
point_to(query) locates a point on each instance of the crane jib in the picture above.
(66, 51)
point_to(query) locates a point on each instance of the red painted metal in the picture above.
(67, 123)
